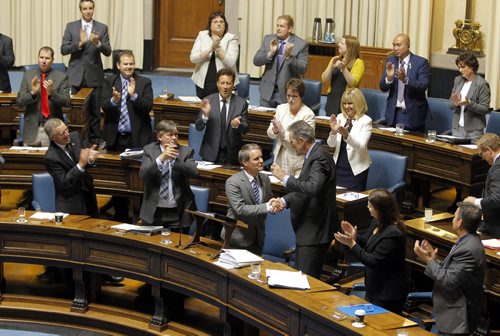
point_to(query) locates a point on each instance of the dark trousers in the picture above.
(309, 258)
(395, 306)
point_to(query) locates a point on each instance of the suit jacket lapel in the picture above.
(247, 187)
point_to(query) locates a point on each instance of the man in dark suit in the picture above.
(7, 60)
(127, 99)
(312, 199)
(44, 91)
(165, 170)
(67, 161)
(85, 40)
(285, 55)
(249, 196)
(224, 117)
(489, 145)
(458, 279)
(406, 76)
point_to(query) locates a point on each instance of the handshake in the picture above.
(276, 205)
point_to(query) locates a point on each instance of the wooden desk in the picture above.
(9, 113)
(83, 244)
(114, 176)
(440, 234)
(449, 165)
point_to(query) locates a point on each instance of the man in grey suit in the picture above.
(284, 55)
(85, 40)
(489, 145)
(458, 279)
(7, 60)
(44, 91)
(165, 170)
(224, 117)
(312, 199)
(249, 195)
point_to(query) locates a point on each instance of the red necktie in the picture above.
(45, 99)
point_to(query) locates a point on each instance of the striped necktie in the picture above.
(255, 188)
(165, 176)
(124, 118)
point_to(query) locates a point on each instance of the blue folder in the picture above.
(370, 309)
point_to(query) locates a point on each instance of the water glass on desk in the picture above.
(400, 128)
(431, 136)
(21, 214)
(254, 271)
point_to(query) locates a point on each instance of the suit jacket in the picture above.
(296, 66)
(490, 203)
(211, 139)
(479, 104)
(419, 75)
(242, 206)
(383, 255)
(183, 168)
(203, 42)
(138, 110)
(312, 200)
(458, 286)
(7, 60)
(74, 189)
(357, 143)
(85, 61)
(284, 116)
(58, 99)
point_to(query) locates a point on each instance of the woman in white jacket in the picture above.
(350, 132)
(213, 50)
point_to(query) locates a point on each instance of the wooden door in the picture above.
(177, 23)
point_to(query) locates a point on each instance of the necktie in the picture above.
(401, 85)
(87, 30)
(255, 189)
(124, 118)
(223, 124)
(45, 99)
(69, 152)
(165, 176)
(348, 123)
(280, 53)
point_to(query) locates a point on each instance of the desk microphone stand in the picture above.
(229, 225)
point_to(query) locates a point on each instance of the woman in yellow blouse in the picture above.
(345, 70)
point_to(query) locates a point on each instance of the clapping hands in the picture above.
(347, 238)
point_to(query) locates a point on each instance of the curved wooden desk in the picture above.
(84, 244)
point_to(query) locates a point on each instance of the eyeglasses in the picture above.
(290, 97)
(66, 131)
(218, 21)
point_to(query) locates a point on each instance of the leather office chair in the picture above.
(194, 140)
(243, 87)
(279, 242)
(201, 197)
(19, 139)
(44, 194)
(387, 171)
(312, 96)
(376, 101)
(55, 66)
(493, 125)
(441, 118)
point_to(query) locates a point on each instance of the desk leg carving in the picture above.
(80, 302)
(160, 319)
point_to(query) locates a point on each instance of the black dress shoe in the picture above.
(111, 280)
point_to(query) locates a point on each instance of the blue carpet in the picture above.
(179, 85)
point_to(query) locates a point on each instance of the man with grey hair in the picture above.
(311, 199)
(249, 196)
(458, 279)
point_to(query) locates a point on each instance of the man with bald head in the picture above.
(406, 77)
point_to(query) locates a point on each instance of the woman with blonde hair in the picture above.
(345, 70)
(350, 132)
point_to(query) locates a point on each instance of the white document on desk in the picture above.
(26, 148)
(287, 279)
(351, 196)
(190, 99)
(206, 165)
(261, 108)
(45, 215)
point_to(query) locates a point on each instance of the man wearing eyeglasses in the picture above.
(489, 145)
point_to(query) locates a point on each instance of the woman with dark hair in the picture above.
(215, 48)
(382, 250)
(286, 114)
(470, 99)
(345, 70)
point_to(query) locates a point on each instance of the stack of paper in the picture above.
(190, 99)
(287, 279)
(239, 258)
(128, 154)
(493, 244)
(45, 215)
(147, 230)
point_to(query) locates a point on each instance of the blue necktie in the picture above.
(165, 176)
(255, 189)
(124, 118)
(280, 53)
